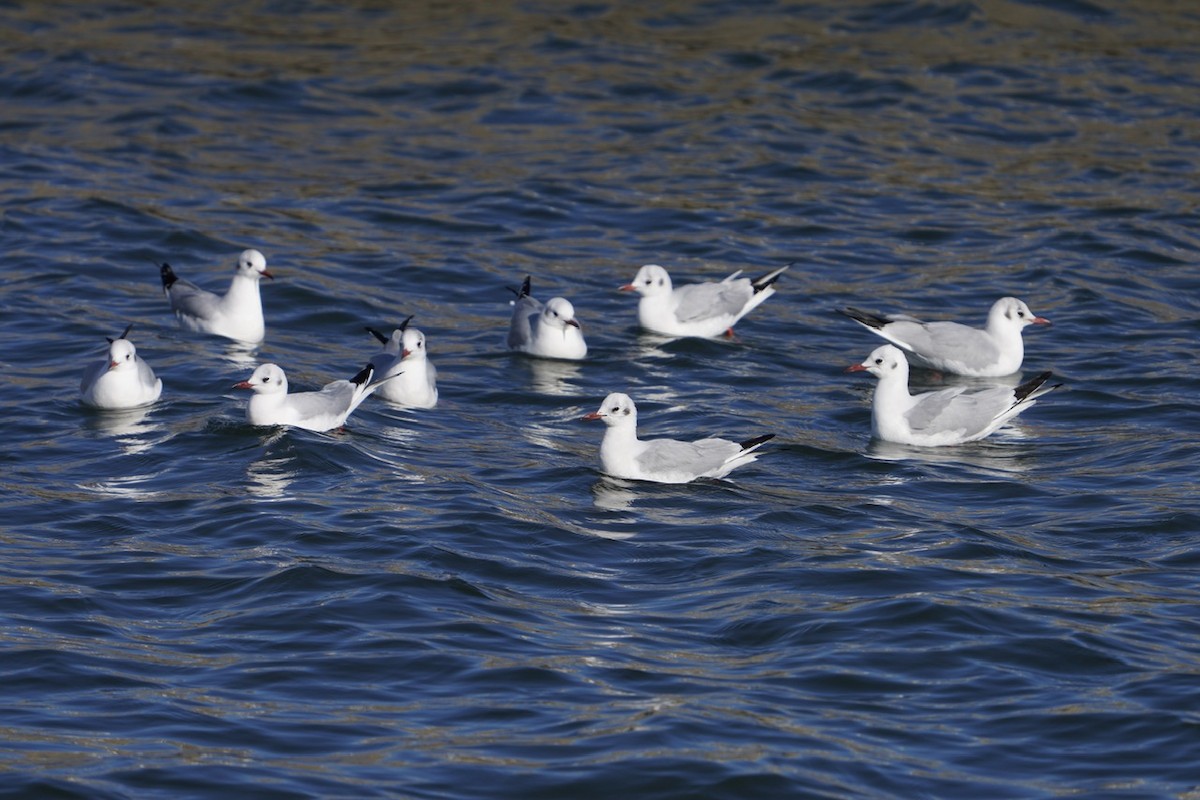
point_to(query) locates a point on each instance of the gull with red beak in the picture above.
(624, 455)
(948, 416)
(235, 315)
(319, 411)
(404, 358)
(958, 349)
(545, 331)
(705, 310)
(121, 380)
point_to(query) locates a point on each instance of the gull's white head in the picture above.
(253, 264)
(413, 344)
(1011, 312)
(267, 379)
(650, 281)
(884, 362)
(617, 409)
(559, 313)
(122, 355)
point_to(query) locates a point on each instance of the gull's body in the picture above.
(324, 410)
(121, 380)
(237, 314)
(404, 360)
(945, 417)
(624, 455)
(989, 352)
(547, 330)
(706, 309)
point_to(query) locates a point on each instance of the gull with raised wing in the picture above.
(624, 455)
(319, 411)
(121, 380)
(707, 309)
(547, 330)
(958, 349)
(235, 315)
(404, 360)
(947, 416)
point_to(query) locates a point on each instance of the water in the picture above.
(455, 603)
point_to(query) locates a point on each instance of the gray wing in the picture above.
(945, 341)
(92, 374)
(956, 410)
(520, 331)
(706, 300)
(670, 455)
(333, 399)
(188, 298)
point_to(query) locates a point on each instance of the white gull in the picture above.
(546, 331)
(624, 455)
(235, 315)
(404, 359)
(121, 380)
(944, 417)
(706, 309)
(959, 349)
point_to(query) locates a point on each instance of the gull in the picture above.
(624, 455)
(958, 349)
(121, 380)
(404, 358)
(235, 315)
(314, 411)
(948, 416)
(547, 331)
(706, 309)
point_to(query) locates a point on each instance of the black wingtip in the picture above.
(756, 441)
(382, 339)
(763, 281)
(525, 290)
(404, 325)
(363, 376)
(168, 275)
(125, 333)
(870, 320)
(1032, 385)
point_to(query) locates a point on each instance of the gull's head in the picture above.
(650, 281)
(253, 264)
(267, 379)
(1011, 312)
(412, 344)
(122, 354)
(883, 362)
(617, 409)
(559, 313)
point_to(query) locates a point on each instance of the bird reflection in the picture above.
(270, 477)
(1005, 454)
(552, 377)
(130, 428)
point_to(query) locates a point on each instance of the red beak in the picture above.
(1041, 321)
(856, 368)
(591, 416)
(267, 274)
(243, 385)
(629, 287)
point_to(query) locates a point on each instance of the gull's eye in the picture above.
(649, 281)
(615, 409)
(879, 361)
(266, 380)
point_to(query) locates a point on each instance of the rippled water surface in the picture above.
(455, 602)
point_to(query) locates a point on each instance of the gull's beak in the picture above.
(243, 385)
(591, 416)
(573, 322)
(267, 274)
(1041, 321)
(856, 368)
(629, 287)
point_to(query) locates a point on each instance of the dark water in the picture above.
(455, 603)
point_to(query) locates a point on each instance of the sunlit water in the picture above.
(455, 603)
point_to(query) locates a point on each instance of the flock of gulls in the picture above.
(402, 373)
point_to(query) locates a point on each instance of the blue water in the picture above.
(456, 603)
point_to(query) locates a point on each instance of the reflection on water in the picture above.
(1003, 454)
(614, 494)
(240, 354)
(270, 477)
(130, 428)
(552, 377)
